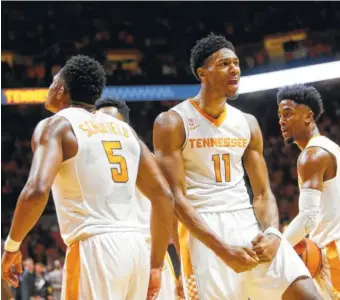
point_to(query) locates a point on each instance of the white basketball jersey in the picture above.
(212, 156)
(94, 191)
(328, 224)
(143, 213)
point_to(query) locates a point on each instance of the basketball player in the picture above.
(319, 180)
(93, 163)
(119, 109)
(200, 145)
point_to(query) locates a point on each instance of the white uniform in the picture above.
(94, 194)
(326, 234)
(212, 157)
(168, 288)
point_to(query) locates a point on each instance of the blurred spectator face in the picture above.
(57, 264)
(39, 268)
(29, 265)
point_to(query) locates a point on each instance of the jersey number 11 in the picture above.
(217, 166)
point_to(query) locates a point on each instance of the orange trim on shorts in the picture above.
(217, 122)
(72, 272)
(190, 282)
(334, 264)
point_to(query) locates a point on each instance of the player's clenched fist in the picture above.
(155, 282)
(241, 259)
(11, 267)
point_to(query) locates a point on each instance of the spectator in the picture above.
(55, 278)
(27, 281)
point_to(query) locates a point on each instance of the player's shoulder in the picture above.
(49, 128)
(52, 124)
(169, 120)
(251, 120)
(313, 158)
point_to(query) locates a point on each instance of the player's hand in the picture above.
(11, 267)
(155, 282)
(266, 246)
(179, 288)
(241, 259)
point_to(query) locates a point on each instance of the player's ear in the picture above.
(309, 116)
(201, 73)
(61, 92)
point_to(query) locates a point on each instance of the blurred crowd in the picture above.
(156, 39)
(150, 44)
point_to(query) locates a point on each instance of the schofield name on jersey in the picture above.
(93, 127)
(218, 142)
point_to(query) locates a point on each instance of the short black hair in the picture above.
(206, 47)
(84, 78)
(302, 94)
(121, 106)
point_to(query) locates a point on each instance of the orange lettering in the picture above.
(226, 142)
(206, 142)
(199, 143)
(192, 141)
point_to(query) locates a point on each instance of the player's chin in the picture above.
(50, 107)
(231, 91)
(288, 140)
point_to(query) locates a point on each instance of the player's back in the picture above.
(328, 224)
(212, 155)
(94, 191)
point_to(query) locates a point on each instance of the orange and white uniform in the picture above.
(168, 287)
(212, 155)
(94, 194)
(326, 233)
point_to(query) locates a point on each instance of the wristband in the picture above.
(11, 246)
(273, 230)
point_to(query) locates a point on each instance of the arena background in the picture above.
(145, 48)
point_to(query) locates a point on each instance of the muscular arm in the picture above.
(312, 165)
(168, 138)
(47, 159)
(264, 202)
(154, 186)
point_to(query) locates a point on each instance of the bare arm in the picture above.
(47, 159)
(264, 202)
(168, 138)
(154, 186)
(312, 165)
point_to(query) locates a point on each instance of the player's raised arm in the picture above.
(168, 139)
(47, 158)
(264, 202)
(312, 165)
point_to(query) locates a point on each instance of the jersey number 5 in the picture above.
(119, 176)
(217, 166)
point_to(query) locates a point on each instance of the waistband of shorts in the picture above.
(113, 231)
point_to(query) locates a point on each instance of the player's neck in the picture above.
(82, 105)
(210, 102)
(304, 140)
